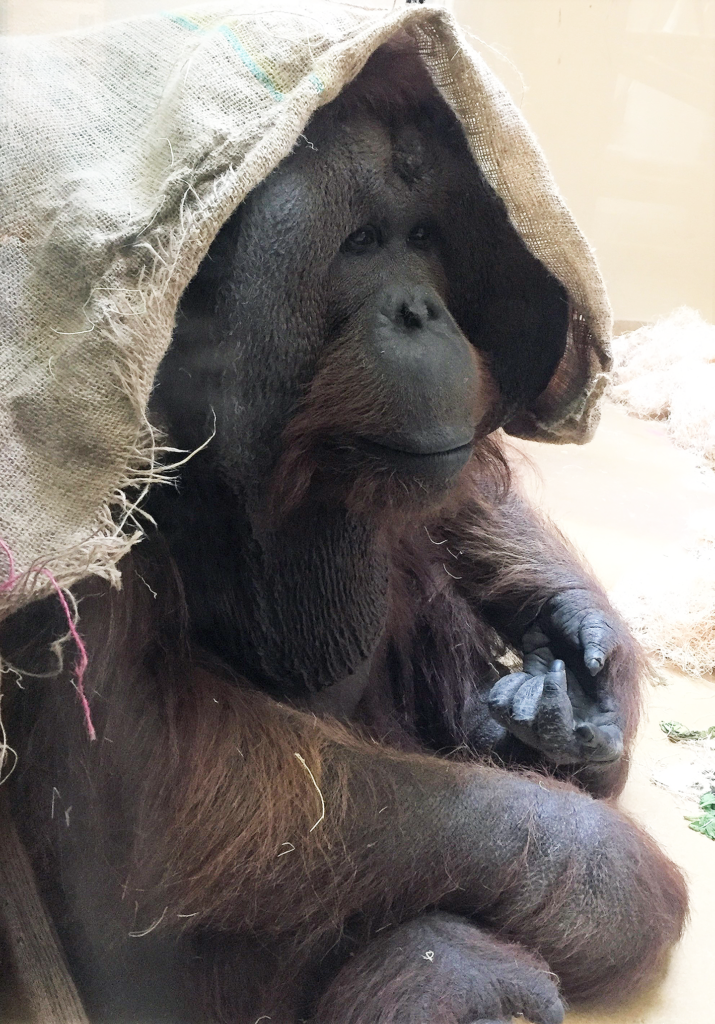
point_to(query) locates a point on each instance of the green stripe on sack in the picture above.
(256, 70)
(258, 73)
(183, 22)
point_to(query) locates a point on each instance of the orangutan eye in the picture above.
(420, 235)
(362, 240)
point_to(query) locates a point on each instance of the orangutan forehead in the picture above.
(409, 154)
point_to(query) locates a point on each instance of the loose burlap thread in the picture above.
(124, 150)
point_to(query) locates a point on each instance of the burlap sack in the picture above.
(122, 151)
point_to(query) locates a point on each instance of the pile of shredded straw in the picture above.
(670, 606)
(666, 371)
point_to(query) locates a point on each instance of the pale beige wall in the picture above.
(621, 94)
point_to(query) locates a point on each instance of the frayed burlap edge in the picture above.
(139, 342)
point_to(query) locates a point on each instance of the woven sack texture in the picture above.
(124, 149)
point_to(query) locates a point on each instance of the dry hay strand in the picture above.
(666, 371)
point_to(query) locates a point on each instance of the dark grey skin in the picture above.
(390, 290)
(337, 576)
(546, 707)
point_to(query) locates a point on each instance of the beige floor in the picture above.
(624, 497)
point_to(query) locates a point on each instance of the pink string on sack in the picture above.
(82, 659)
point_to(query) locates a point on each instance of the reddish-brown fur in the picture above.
(224, 818)
(239, 845)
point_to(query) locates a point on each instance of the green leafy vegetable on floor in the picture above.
(706, 822)
(676, 731)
